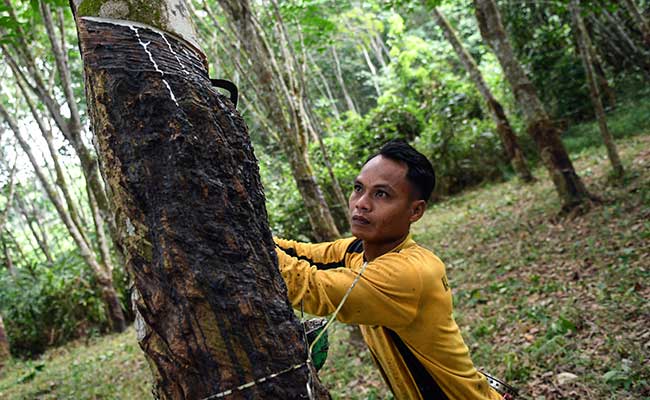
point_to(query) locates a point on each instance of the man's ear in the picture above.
(417, 210)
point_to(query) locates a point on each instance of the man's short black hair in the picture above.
(419, 172)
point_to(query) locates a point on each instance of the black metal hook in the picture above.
(229, 86)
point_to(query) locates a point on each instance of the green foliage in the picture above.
(287, 215)
(49, 305)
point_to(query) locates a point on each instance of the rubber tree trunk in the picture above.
(506, 133)
(542, 129)
(339, 77)
(211, 307)
(584, 46)
(4, 345)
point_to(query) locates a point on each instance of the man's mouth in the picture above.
(357, 219)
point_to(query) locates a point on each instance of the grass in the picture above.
(536, 296)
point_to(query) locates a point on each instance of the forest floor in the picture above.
(558, 307)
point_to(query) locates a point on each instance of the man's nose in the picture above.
(363, 202)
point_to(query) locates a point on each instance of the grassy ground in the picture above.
(557, 307)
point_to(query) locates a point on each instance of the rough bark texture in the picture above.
(544, 132)
(4, 345)
(211, 306)
(584, 46)
(506, 133)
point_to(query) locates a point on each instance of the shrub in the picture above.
(45, 305)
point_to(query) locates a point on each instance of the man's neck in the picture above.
(374, 250)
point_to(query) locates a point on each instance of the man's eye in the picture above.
(381, 193)
(357, 187)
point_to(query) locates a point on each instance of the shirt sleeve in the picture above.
(322, 255)
(387, 294)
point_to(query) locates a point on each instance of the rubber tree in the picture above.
(507, 135)
(19, 54)
(212, 314)
(585, 52)
(540, 127)
(281, 95)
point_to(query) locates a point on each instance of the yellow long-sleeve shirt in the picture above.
(404, 308)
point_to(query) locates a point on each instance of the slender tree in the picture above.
(211, 309)
(19, 55)
(507, 135)
(542, 129)
(281, 92)
(339, 77)
(104, 277)
(584, 48)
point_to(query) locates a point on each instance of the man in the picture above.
(402, 301)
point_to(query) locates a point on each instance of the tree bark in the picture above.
(211, 307)
(541, 128)
(584, 46)
(507, 135)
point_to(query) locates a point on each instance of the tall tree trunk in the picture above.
(506, 133)
(377, 45)
(212, 312)
(371, 67)
(601, 77)
(541, 128)
(584, 46)
(641, 21)
(339, 77)
(3, 220)
(104, 279)
(4, 345)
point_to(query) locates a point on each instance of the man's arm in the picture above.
(387, 294)
(323, 255)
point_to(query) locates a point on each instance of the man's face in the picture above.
(382, 205)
